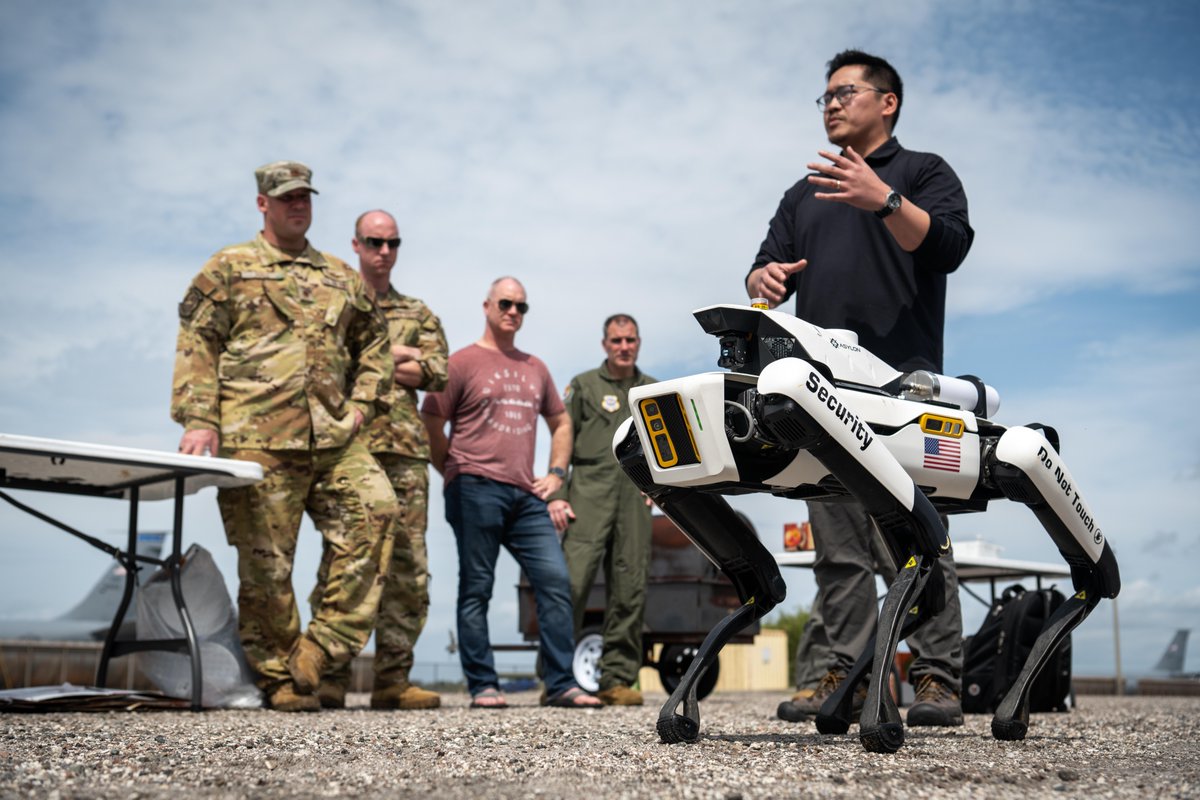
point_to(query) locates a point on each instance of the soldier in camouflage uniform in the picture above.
(604, 518)
(281, 358)
(400, 444)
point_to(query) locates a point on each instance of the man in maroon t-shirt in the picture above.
(492, 400)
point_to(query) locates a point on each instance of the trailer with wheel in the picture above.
(686, 595)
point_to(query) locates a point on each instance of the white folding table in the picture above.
(51, 465)
(973, 561)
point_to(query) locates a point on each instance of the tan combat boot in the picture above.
(305, 663)
(620, 695)
(331, 695)
(806, 703)
(404, 697)
(285, 698)
(935, 704)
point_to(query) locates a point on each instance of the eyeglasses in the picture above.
(506, 304)
(375, 242)
(843, 94)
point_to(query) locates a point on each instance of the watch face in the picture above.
(890, 204)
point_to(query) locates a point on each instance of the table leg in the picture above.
(176, 565)
(128, 560)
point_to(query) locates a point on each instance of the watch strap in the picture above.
(890, 204)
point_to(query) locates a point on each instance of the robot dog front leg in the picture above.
(728, 541)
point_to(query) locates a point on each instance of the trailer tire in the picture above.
(585, 664)
(674, 662)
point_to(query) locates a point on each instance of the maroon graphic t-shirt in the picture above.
(493, 400)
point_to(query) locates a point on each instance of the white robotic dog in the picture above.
(807, 413)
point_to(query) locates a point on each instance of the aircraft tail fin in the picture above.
(1172, 659)
(100, 604)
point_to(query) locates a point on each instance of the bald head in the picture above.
(504, 311)
(374, 217)
(504, 286)
(376, 241)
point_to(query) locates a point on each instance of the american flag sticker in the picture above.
(944, 454)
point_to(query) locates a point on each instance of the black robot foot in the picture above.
(676, 729)
(887, 738)
(831, 726)
(1009, 730)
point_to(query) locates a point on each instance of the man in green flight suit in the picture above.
(603, 517)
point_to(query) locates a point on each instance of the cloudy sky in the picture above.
(618, 156)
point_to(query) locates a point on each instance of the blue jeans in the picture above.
(486, 514)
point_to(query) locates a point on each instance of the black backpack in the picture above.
(993, 657)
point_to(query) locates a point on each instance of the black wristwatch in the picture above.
(559, 471)
(891, 204)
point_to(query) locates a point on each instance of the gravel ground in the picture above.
(1129, 747)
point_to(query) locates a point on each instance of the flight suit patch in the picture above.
(610, 403)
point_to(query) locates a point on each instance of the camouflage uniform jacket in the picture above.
(411, 323)
(274, 349)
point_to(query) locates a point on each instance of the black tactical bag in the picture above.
(993, 657)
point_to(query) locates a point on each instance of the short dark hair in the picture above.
(620, 319)
(875, 69)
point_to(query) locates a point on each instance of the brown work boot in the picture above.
(305, 663)
(620, 695)
(936, 704)
(806, 703)
(331, 695)
(285, 698)
(404, 697)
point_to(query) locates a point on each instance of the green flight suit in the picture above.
(612, 522)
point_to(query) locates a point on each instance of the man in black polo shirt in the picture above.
(865, 244)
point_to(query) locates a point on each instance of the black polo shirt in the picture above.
(858, 277)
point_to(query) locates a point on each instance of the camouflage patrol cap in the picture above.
(281, 177)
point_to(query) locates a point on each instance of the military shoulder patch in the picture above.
(191, 302)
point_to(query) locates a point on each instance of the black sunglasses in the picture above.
(506, 304)
(374, 242)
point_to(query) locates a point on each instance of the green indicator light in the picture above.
(697, 413)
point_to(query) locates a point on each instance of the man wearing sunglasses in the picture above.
(281, 358)
(493, 398)
(865, 243)
(400, 444)
(604, 518)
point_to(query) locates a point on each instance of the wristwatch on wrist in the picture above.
(890, 204)
(559, 471)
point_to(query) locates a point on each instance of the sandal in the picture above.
(573, 698)
(489, 698)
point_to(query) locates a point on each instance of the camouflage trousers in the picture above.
(352, 504)
(404, 604)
